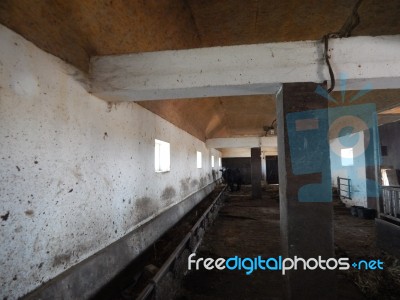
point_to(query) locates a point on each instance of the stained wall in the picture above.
(77, 173)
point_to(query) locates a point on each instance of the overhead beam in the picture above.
(245, 69)
(246, 152)
(243, 142)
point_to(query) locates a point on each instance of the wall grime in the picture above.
(77, 174)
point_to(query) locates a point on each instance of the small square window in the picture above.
(198, 159)
(212, 161)
(347, 157)
(162, 161)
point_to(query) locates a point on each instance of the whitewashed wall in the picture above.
(76, 173)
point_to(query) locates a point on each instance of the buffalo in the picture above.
(232, 178)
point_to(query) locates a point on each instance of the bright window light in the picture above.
(219, 162)
(347, 157)
(198, 159)
(212, 161)
(162, 161)
(385, 179)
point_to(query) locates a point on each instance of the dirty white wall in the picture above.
(76, 173)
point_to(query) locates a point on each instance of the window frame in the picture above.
(199, 159)
(164, 152)
(347, 160)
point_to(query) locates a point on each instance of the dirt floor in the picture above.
(249, 228)
(246, 228)
(355, 238)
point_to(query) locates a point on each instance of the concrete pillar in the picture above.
(263, 168)
(256, 172)
(305, 188)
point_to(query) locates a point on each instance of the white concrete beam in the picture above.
(245, 152)
(243, 142)
(246, 69)
(235, 152)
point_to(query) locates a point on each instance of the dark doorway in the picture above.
(241, 163)
(272, 169)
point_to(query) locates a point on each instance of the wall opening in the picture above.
(199, 160)
(162, 158)
(347, 157)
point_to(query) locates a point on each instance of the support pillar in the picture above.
(256, 172)
(305, 188)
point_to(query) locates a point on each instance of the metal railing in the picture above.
(190, 242)
(344, 187)
(391, 203)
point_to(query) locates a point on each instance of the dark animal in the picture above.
(231, 178)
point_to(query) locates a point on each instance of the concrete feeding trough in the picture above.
(354, 210)
(362, 212)
(366, 213)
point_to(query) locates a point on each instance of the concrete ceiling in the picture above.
(75, 30)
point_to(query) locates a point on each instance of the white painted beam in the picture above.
(242, 142)
(245, 69)
(245, 152)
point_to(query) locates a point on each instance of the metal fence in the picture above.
(391, 202)
(344, 187)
